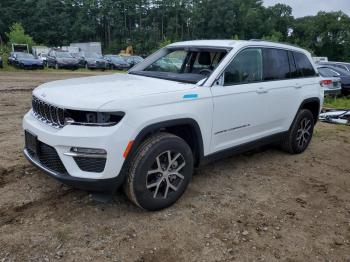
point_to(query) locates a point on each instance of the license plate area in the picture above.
(31, 142)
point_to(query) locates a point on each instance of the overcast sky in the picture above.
(311, 7)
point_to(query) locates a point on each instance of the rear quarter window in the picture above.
(304, 65)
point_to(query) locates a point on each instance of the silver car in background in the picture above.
(330, 82)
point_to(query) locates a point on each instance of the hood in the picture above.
(67, 60)
(30, 61)
(91, 93)
(100, 60)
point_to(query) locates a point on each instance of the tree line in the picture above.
(148, 24)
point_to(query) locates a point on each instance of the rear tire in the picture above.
(160, 172)
(300, 133)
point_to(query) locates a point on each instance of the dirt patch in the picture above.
(264, 205)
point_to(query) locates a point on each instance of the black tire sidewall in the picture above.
(301, 116)
(143, 196)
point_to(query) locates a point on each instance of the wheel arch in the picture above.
(313, 104)
(186, 128)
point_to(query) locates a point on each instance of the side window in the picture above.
(304, 65)
(245, 68)
(276, 64)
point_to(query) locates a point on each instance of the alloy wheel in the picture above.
(165, 175)
(304, 132)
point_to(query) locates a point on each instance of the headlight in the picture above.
(74, 117)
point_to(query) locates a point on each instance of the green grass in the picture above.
(337, 102)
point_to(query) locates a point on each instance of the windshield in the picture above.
(185, 64)
(116, 58)
(341, 72)
(25, 56)
(119, 60)
(93, 55)
(76, 55)
(63, 55)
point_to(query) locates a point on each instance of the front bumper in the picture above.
(113, 140)
(96, 185)
(69, 66)
(98, 66)
(33, 66)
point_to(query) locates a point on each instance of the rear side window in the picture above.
(304, 65)
(245, 68)
(294, 72)
(276, 64)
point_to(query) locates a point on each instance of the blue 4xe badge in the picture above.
(190, 96)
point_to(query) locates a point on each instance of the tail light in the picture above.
(326, 82)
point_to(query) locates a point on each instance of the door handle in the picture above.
(261, 90)
(297, 86)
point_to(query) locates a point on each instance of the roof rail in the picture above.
(275, 42)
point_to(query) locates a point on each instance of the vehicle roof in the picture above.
(233, 43)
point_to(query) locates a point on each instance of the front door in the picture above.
(240, 114)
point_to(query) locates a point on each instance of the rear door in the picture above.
(282, 90)
(50, 58)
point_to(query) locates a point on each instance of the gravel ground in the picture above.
(264, 205)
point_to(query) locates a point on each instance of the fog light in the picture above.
(86, 152)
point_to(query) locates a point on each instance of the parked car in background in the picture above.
(342, 74)
(25, 61)
(330, 82)
(1, 63)
(80, 58)
(61, 59)
(133, 60)
(117, 62)
(94, 61)
(342, 65)
(42, 57)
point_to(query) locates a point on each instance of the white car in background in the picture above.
(149, 128)
(42, 57)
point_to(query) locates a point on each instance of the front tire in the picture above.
(160, 172)
(300, 133)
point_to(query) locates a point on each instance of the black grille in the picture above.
(47, 156)
(89, 164)
(47, 113)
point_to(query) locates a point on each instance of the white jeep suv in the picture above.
(186, 104)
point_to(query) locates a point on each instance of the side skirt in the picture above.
(243, 148)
